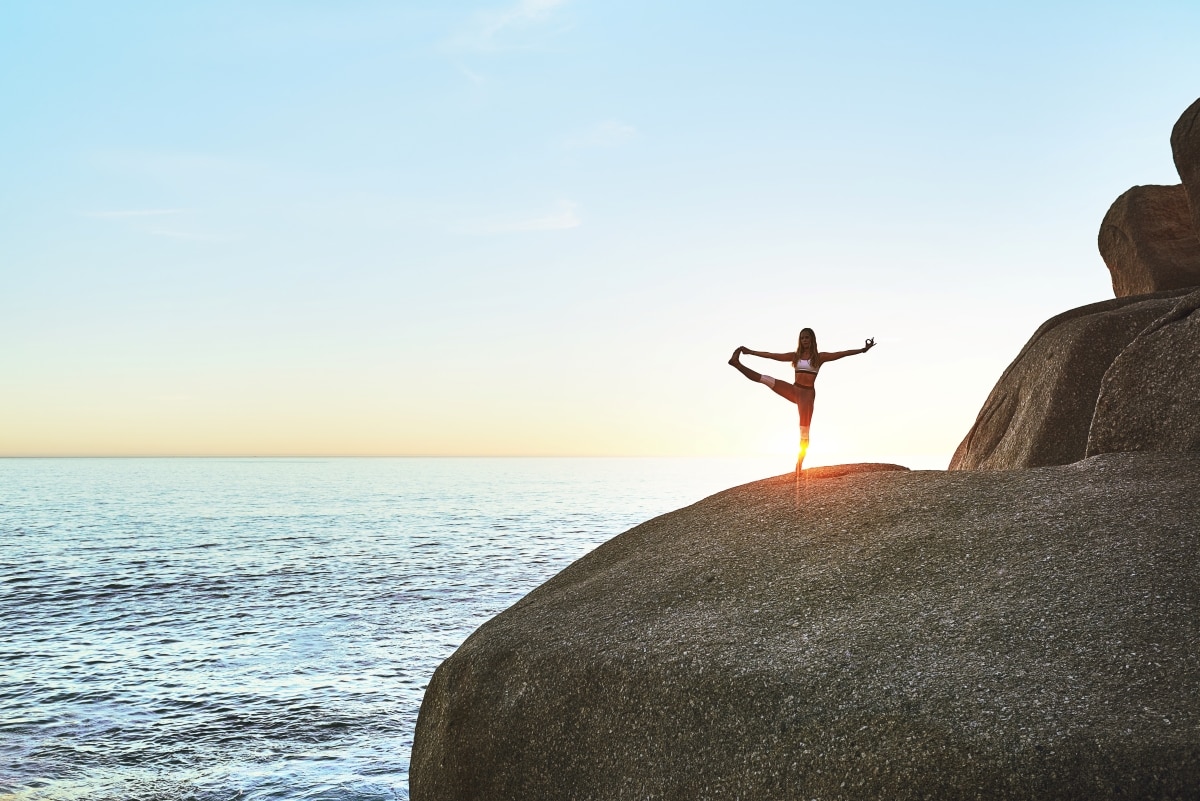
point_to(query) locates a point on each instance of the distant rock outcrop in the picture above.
(1150, 397)
(1024, 634)
(1185, 147)
(1148, 241)
(1120, 375)
(1150, 237)
(1040, 411)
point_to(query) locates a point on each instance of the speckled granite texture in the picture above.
(1148, 242)
(1040, 411)
(1185, 148)
(901, 635)
(1150, 397)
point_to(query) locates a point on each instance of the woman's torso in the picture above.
(806, 369)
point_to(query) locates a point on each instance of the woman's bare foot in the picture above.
(734, 358)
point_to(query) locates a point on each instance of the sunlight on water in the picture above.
(264, 629)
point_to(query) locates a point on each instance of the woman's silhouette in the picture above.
(806, 360)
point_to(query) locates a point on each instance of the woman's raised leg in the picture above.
(782, 388)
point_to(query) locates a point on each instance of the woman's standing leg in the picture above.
(805, 397)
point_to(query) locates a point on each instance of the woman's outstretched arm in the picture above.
(779, 357)
(841, 354)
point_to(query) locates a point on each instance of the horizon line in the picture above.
(393, 456)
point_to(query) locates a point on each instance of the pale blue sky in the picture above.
(541, 226)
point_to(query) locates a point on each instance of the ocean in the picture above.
(218, 629)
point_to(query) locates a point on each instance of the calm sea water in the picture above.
(265, 628)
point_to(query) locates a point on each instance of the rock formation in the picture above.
(1040, 411)
(1150, 396)
(1077, 386)
(1185, 148)
(868, 632)
(935, 635)
(1150, 237)
(1148, 241)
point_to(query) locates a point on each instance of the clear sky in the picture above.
(541, 226)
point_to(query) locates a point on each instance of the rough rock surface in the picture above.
(1040, 411)
(1150, 396)
(836, 470)
(901, 635)
(1148, 241)
(1185, 147)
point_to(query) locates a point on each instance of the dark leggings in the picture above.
(803, 397)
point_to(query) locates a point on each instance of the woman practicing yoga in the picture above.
(806, 360)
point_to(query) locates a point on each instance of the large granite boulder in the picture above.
(1148, 241)
(1185, 147)
(1021, 634)
(1150, 397)
(1040, 411)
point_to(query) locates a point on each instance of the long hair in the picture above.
(816, 352)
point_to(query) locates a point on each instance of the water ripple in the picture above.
(264, 629)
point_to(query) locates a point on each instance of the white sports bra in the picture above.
(806, 366)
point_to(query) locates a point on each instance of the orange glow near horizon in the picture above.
(285, 415)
